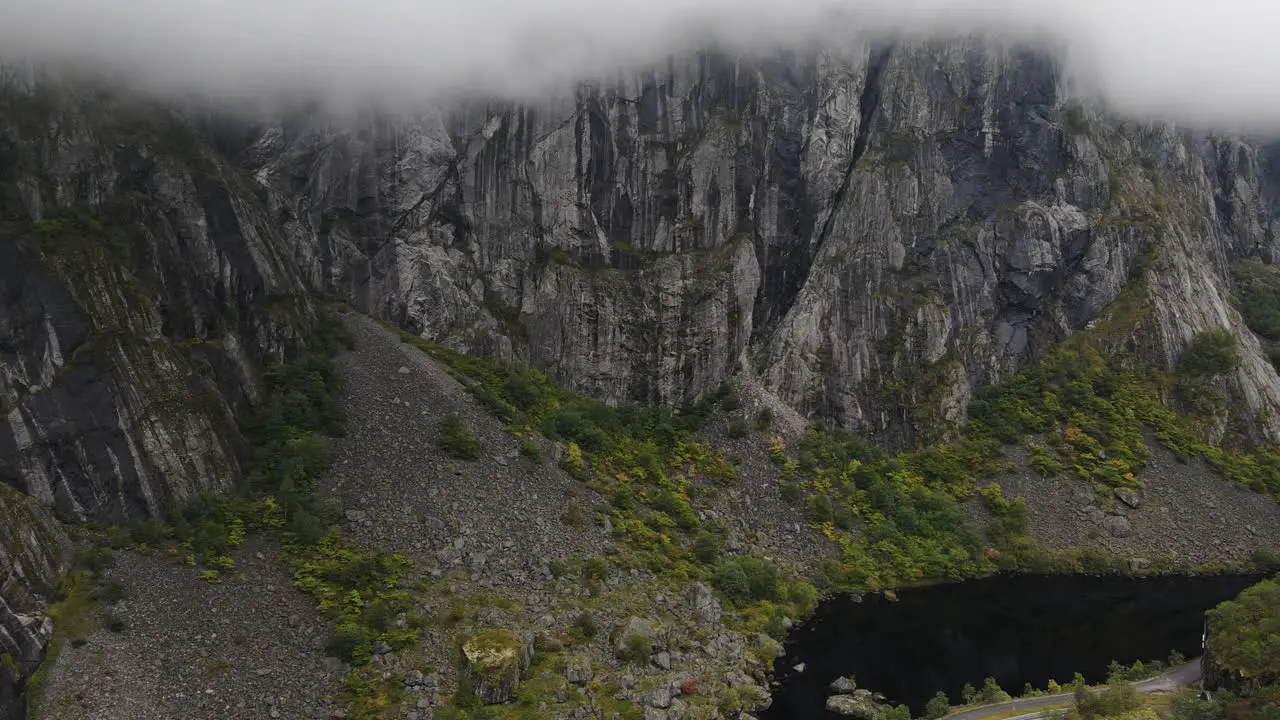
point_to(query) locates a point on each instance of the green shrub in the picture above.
(992, 693)
(1258, 300)
(728, 398)
(745, 578)
(937, 707)
(623, 499)
(764, 419)
(738, 429)
(574, 516)
(678, 508)
(1116, 699)
(1211, 353)
(150, 531)
(731, 580)
(350, 643)
(791, 493)
(110, 592)
(637, 648)
(585, 625)
(896, 712)
(804, 598)
(115, 623)
(1266, 560)
(529, 450)
(818, 509)
(595, 567)
(1244, 633)
(706, 547)
(306, 528)
(458, 440)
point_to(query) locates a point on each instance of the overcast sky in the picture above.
(1202, 60)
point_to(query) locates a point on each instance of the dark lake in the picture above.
(1015, 628)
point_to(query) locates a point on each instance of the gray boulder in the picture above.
(705, 606)
(1129, 497)
(633, 626)
(494, 661)
(579, 671)
(843, 686)
(851, 706)
(1118, 527)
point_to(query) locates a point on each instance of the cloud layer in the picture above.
(1198, 60)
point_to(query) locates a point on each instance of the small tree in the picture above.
(937, 707)
(818, 508)
(1118, 698)
(1244, 634)
(706, 548)
(993, 693)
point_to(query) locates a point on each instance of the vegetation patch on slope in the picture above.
(1258, 300)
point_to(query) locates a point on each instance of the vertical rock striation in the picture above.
(140, 281)
(873, 230)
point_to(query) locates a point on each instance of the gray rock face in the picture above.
(579, 671)
(880, 229)
(705, 606)
(865, 234)
(34, 553)
(140, 278)
(127, 341)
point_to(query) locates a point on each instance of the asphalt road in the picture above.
(1180, 676)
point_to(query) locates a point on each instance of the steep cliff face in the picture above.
(33, 556)
(862, 234)
(139, 281)
(874, 230)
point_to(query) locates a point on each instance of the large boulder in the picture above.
(854, 706)
(1117, 526)
(842, 686)
(706, 608)
(634, 626)
(493, 663)
(1129, 497)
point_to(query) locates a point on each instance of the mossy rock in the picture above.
(493, 663)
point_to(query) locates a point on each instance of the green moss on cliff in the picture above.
(1257, 297)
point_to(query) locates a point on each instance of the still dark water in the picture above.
(1017, 629)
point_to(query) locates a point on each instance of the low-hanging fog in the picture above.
(1201, 61)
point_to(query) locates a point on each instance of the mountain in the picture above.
(862, 236)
